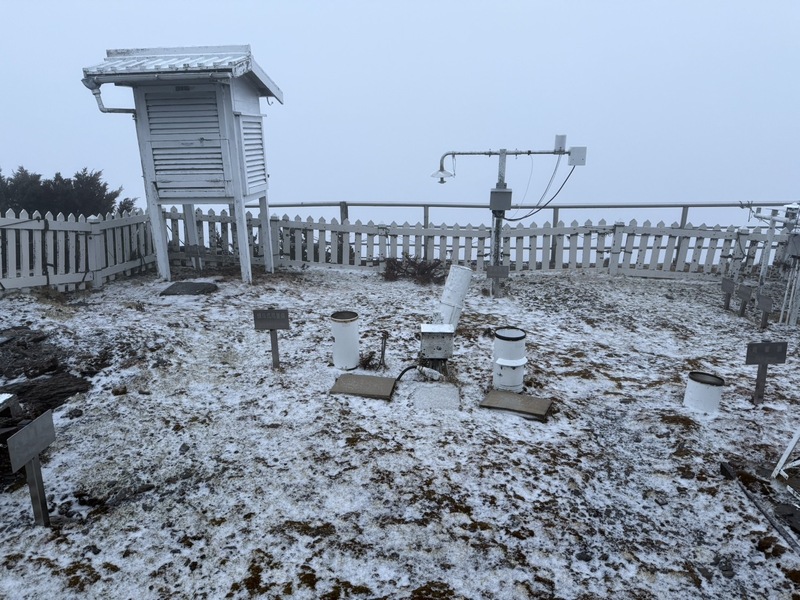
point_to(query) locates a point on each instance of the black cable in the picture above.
(536, 210)
(404, 371)
(546, 189)
(549, 183)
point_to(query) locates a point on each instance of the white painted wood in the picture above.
(481, 252)
(656, 248)
(572, 244)
(60, 266)
(616, 249)
(70, 252)
(546, 247)
(586, 246)
(627, 253)
(24, 244)
(644, 241)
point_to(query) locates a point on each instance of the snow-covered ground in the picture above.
(216, 476)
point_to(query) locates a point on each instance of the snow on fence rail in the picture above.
(631, 249)
(71, 252)
(619, 248)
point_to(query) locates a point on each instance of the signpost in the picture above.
(764, 354)
(23, 449)
(765, 306)
(728, 287)
(744, 293)
(271, 320)
(497, 272)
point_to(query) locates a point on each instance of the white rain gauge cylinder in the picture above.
(344, 325)
(508, 359)
(455, 290)
(703, 391)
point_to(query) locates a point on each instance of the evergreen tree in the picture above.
(83, 194)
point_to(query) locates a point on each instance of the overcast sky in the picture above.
(677, 101)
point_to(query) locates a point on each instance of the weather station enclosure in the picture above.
(201, 136)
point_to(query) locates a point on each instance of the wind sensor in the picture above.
(500, 195)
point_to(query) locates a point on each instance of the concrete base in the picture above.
(189, 288)
(436, 396)
(366, 386)
(520, 404)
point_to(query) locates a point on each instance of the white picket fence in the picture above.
(631, 249)
(71, 252)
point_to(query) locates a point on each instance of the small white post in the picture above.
(782, 462)
(265, 236)
(192, 248)
(159, 228)
(96, 251)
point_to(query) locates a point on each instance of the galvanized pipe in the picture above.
(102, 107)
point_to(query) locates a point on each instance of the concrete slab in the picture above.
(366, 386)
(525, 406)
(436, 396)
(189, 288)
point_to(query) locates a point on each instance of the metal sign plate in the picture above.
(498, 272)
(745, 291)
(32, 439)
(765, 303)
(766, 353)
(273, 318)
(728, 286)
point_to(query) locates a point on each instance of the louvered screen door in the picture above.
(254, 161)
(190, 156)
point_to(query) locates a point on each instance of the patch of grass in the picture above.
(304, 528)
(345, 589)
(416, 269)
(80, 575)
(680, 421)
(11, 560)
(111, 567)
(254, 580)
(434, 590)
(308, 577)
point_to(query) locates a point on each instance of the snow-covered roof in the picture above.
(143, 65)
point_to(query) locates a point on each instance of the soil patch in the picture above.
(41, 382)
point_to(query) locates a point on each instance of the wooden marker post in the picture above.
(23, 449)
(744, 293)
(764, 354)
(728, 287)
(272, 320)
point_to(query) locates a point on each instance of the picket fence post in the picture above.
(616, 247)
(96, 251)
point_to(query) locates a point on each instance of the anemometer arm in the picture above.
(577, 157)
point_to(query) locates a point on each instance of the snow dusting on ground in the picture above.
(215, 476)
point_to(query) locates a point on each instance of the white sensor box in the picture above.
(577, 156)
